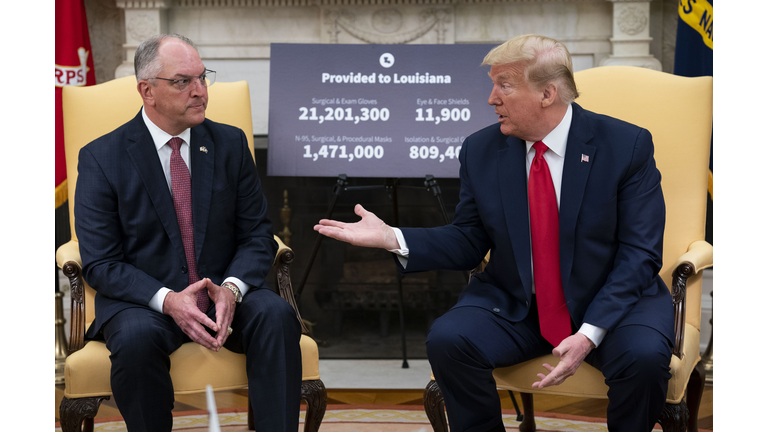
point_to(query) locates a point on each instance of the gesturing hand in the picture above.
(182, 307)
(370, 231)
(572, 351)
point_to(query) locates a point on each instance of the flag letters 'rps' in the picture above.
(74, 66)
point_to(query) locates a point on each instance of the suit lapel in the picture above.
(579, 157)
(143, 154)
(201, 152)
(513, 191)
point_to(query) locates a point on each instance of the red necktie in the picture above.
(181, 185)
(554, 319)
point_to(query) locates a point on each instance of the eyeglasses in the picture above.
(206, 80)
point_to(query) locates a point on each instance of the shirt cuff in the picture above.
(157, 300)
(593, 333)
(244, 287)
(402, 253)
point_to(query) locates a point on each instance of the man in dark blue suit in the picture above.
(607, 216)
(175, 240)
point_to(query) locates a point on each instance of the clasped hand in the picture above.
(182, 307)
(572, 352)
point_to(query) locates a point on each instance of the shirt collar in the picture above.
(159, 136)
(558, 138)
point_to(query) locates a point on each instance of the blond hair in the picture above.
(546, 61)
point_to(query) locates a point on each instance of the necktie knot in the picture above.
(540, 148)
(175, 143)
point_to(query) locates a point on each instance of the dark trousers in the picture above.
(265, 328)
(467, 343)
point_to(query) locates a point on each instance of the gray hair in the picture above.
(546, 61)
(146, 63)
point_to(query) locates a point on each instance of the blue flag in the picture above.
(693, 49)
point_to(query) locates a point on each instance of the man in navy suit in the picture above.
(164, 275)
(608, 224)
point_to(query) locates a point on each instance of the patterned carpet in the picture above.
(365, 418)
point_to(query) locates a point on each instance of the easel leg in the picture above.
(341, 184)
(392, 186)
(431, 183)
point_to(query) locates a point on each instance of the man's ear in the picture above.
(549, 95)
(146, 91)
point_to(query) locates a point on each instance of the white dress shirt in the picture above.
(556, 142)
(161, 138)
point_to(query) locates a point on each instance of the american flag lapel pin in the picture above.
(584, 158)
(205, 150)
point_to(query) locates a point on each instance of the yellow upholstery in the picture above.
(678, 113)
(90, 112)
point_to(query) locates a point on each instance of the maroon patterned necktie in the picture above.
(181, 185)
(554, 319)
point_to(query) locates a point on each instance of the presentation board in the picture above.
(374, 110)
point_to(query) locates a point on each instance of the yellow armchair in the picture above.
(678, 113)
(90, 112)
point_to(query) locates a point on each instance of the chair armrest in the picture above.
(699, 256)
(68, 259)
(69, 251)
(283, 259)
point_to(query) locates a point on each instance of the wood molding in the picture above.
(73, 271)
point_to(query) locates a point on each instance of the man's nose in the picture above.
(493, 99)
(197, 86)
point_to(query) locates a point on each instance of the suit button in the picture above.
(184, 269)
(497, 310)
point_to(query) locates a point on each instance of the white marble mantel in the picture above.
(234, 36)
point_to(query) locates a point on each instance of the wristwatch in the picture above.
(235, 290)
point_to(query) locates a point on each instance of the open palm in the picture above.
(370, 231)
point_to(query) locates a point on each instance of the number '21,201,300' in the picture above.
(344, 114)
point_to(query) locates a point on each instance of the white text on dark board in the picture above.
(374, 78)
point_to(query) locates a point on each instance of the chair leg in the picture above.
(517, 408)
(434, 406)
(674, 418)
(75, 413)
(317, 399)
(529, 421)
(693, 398)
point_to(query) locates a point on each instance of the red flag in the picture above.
(74, 66)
